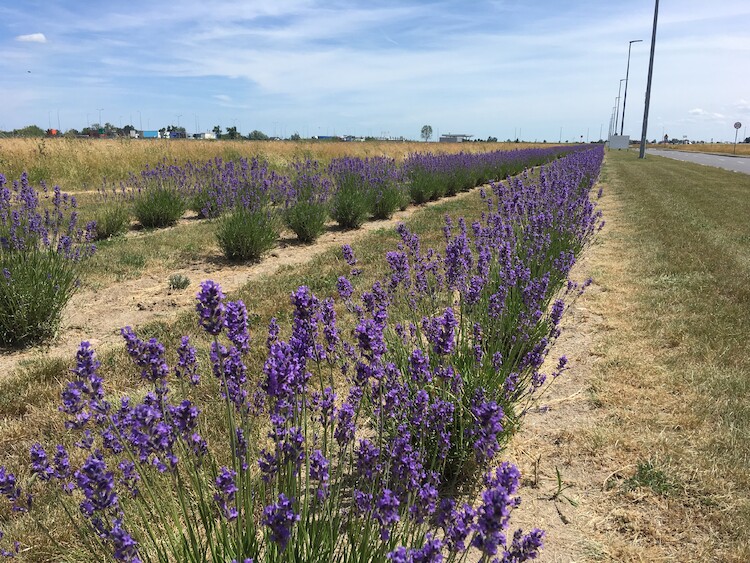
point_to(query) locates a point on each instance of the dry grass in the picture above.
(653, 430)
(743, 149)
(80, 164)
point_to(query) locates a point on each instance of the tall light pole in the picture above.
(627, 73)
(642, 152)
(617, 113)
(178, 120)
(100, 110)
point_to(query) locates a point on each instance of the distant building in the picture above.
(455, 138)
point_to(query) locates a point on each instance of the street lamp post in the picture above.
(642, 151)
(617, 114)
(627, 73)
(100, 110)
(178, 120)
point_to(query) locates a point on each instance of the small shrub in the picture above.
(385, 202)
(111, 221)
(39, 252)
(246, 234)
(178, 281)
(349, 204)
(306, 210)
(307, 219)
(34, 289)
(157, 207)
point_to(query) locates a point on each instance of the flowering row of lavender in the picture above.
(348, 190)
(355, 445)
(488, 306)
(41, 244)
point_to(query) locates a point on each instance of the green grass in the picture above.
(690, 239)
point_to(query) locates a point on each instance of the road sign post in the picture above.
(737, 126)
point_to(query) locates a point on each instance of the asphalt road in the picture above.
(734, 163)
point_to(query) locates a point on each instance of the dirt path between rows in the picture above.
(98, 315)
(560, 434)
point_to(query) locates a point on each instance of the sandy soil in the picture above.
(557, 435)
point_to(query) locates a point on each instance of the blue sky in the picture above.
(482, 67)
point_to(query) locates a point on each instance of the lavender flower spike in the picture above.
(210, 307)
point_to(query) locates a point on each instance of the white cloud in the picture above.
(698, 112)
(32, 38)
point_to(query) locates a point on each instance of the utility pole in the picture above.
(627, 73)
(642, 152)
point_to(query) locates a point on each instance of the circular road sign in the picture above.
(737, 125)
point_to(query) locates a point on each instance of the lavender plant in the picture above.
(41, 245)
(247, 233)
(325, 486)
(349, 201)
(306, 206)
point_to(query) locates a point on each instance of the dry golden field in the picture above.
(81, 164)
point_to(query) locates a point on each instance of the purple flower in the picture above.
(386, 512)
(368, 460)
(348, 253)
(125, 547)
(344, 432)
(280, 517)
(419, 367)
(226, 491)
(494, 512)
(130, 476)
(524, 547)
(235, 320)
(10, 490)
(344, 287)
(39, 463)
(487, 427)
(441, 332)
(97, 485)
(319, 472)
(210, 307)
(187, 363)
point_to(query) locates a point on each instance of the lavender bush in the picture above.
(324, 486)
(40, 249)
(349, 201)
(306, 206)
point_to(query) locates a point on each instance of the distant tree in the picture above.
(295, 137)
(256, 135)
(232, 133)
(29, 131)
(71, 133)
(217, 131)
(492, 139)
(747, 140)
(427, 132)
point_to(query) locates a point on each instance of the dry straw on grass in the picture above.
(80, 164)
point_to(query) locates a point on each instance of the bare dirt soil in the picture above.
(555, 433)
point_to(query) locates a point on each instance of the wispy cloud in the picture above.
(32, 38)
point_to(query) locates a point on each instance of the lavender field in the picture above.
(356, 410)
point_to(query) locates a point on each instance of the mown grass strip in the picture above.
(689, 242)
